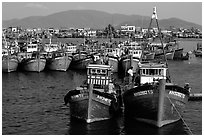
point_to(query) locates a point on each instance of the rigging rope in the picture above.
(180, 116)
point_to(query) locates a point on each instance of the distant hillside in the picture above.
(92, 19)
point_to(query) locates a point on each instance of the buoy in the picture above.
(195, 97)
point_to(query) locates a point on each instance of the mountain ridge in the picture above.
(92, 19)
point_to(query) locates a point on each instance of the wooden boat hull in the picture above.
(91, 106)
(126, 64)
(80, 64)
(156, 106)
(33, 64)
(113, 62)
(59, 63)
(9, 65)
(149, 56)
(170, 55)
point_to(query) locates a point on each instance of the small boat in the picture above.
(198, 51)
(59, 61)
(35, 64)
(178, 54)
(96, 100)
(170, 55)
(9, 63)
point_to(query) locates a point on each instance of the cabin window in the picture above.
(143, 71)
(156, 71)
(98, 71)
(160, 72)
(151, 72)
(103, 71)
(93, 71)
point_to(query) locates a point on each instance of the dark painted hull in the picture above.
(33, 64)
(198, 53)
(149, 56)
(178, 54)
(9, 65)
(126, 64)
(91, 107)
(59, 63)
(170, 55)
(156, 106)
(80, 64)
(113, 62)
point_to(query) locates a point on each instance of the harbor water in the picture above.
(33, 103)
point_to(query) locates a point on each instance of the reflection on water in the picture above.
(133, 127)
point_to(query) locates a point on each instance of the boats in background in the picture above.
(112, 57)
(97, 99)
(9, 62)
(81, 60)
(36, 63)
(59, 60)
(132, 59)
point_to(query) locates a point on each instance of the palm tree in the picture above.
(110, 30)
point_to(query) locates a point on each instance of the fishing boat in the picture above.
(198, 51)
(81, 60)
(59, 60)
(112, 57)
(132, 59)
(170, 55)
(154, 98)
(36, 63)
(178, 54)
(96, 100)
(9, 62)
(148, 55)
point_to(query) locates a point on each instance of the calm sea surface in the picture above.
(32, 103)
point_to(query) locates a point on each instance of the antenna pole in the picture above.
(154, 15)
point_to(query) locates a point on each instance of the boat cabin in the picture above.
(32, 47)
(4, 52)
(116, 52)
(151, 72)
(100, 76)
(51, 47)
(71, 49)
(136, 53)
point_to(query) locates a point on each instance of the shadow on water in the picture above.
(132, 127)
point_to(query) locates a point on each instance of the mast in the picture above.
(154, 16)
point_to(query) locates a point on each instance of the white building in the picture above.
(128, 28)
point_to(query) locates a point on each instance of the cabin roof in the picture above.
(152, 65)
(98, 66)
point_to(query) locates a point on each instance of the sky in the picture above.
(188, 11)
